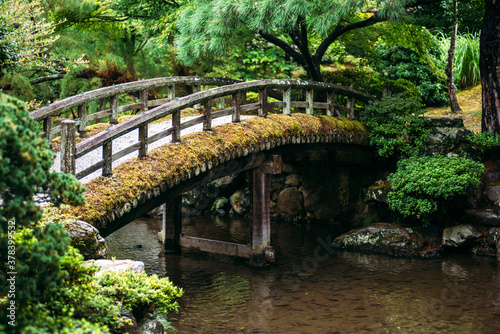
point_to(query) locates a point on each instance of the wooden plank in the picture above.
(82, 115)
(98, 115)
(250, 107)
(160, 135)
(171, 93)
(196, 89)
(207, 113)
(263, 102)
(176, 123)
(157, 102)
(89, 170)
(128, 107)
(287, 98)
(114, 110)
(68, 146)
(102, 106)
(298, 104)
(215, 246)
(309, 101)
(107, 158)
(143, 141)
(222, 113)
(236, 104)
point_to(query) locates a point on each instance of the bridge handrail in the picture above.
(70, 151)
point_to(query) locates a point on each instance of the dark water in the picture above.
(312, 289)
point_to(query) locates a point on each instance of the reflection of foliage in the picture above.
(421, 184)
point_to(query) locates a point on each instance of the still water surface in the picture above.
(313, 289)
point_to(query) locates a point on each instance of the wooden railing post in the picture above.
(330, 99)
(102, 107)
(350, 106)
(171, 93)
(47, 128)
(68, 146)
(82, 115)
(144, 100)
(236, 105)
(196, 89)
(176, 123)
(107, 158)
(222, 103)
(287, 101)
(207, 112)
(309, 101)
(114, 110)
(172, 225)
(263, 102)
(143, 140)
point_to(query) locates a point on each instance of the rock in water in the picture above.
(86, 239)
(460, 235)
(118, 266)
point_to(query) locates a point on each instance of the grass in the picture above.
(470, 102)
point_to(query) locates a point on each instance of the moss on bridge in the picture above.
(134, 178)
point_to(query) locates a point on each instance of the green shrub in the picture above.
(421, 185)
(400, 63)
(396, 126)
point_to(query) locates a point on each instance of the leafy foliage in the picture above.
(401, 63)
(396, 126)
(422, 184)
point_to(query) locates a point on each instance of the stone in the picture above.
(290, 202)
(291, 169)
(240, 201)
(293, 180)
(118, 266)
(493, 194)
(460, 235)
(493, 236)
(446, 122)
(220, 203)
(151, 327)
(378, 191)
(384, 239)
(86, 239)
(130, 325)
(484, 217)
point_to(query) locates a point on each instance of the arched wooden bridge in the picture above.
(162, 175)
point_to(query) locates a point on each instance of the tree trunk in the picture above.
(449, 65)
(489, 64)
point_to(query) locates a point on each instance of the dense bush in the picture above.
(400, 63)
(422, 184)
(396, 126)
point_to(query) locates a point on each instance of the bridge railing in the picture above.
(110, 95)
(70, 151)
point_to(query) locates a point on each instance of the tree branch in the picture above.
(47, 78)
(284, 46)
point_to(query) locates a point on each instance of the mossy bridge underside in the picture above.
(258, 143)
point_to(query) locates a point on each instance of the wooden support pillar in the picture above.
(107, 158)
(236, 105)
(144, 100)
(222, 102)
(68, 146)
(330, 99)
(287, 100)
(176, 123)
(207, 112)
(171, 93)
(47, 128)
(196, 89)
(82, 115)
(102, 107)
(309, 101)
(263, 102)
(350, 106)
(114, 110)
(261, 252)
(172, 225)
(143, 140)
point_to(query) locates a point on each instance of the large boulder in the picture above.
(293, 180)
(151, 327)
(460, 235)
(86, 239)
(290, 202)
(386, 239)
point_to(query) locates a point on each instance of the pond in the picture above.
(312, 288)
